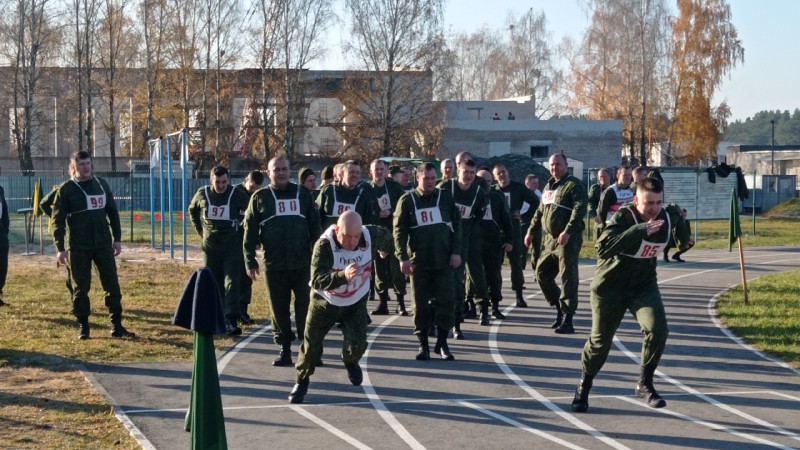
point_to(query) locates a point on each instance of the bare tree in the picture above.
(117, 51)
(29, 39)
(153, 14)
(390, 37)
(615, 72)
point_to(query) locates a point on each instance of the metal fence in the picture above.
(132, 195)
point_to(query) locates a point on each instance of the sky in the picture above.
(768, 79)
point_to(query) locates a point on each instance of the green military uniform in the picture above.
(246, 285)
(285, 223)
(594, 200)
(427, 231)
(486, 254)
(612, 199)
(337, 198)
(217, 218)
(625, 280)
(563, 208)
(46, 205)
(387, 270)
(682, 227)
(4, 227)
(86, 224)
(335, 300)
(471, 206)
(516, 193)
(526, 218)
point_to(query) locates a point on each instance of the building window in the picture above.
(539, 151)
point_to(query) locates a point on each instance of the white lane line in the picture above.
(222, 363)
(375, 399)
(500, 362)
(521, 425)
(781, 394)
(333, 430)
(704, 423)
(707, 397)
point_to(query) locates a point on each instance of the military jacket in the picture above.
(516, 193)
(386, 198)
(285, 223)
(324, 277)
(427, 229)
(218, 216)
(495, 225)
(85, 216)
(626, 256)
(335, 199)
(471, 204)
(563, 207)
(4, 219)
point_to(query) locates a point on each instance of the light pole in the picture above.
(772, 170)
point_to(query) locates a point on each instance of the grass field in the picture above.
(771, 319)
(45, 402)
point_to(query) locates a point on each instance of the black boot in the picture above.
(496, 310)
(441, 346)
(485, 313)
(401, 305)
(117, 330)
(645, 389)
(424, 352)
(233, 328)
(299, 391)
(457, 333)
(83, 324)
(354, 373)
(244, 317)
(383, 306)
(284, 356)
(559, 320)
(520, 300)
(677, 257)
(580, 403)
(566, 326)
(471, 312)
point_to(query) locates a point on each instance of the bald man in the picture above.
(340, 279)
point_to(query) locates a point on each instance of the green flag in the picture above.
(734, 228)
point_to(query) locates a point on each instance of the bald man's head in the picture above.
(486, 175)
(348, 230)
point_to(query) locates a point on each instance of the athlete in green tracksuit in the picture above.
(87, 231)
(282, 219)
(4, 227)
(217, 212)
(495, 237)
(250, 185)
(340, 279)
(560, 216)
(683, 228)
(387, 193)
(427, 238)
(515, 193)
(471, 202)
(625, 280)
(46, 205)
(348, 195)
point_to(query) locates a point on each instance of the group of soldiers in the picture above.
(324, 248)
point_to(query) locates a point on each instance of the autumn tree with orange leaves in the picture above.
(705, 47)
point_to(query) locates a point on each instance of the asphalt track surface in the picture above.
(510, 386)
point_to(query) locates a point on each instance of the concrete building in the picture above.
(470, 127)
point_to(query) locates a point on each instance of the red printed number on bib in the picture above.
(95, 201)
